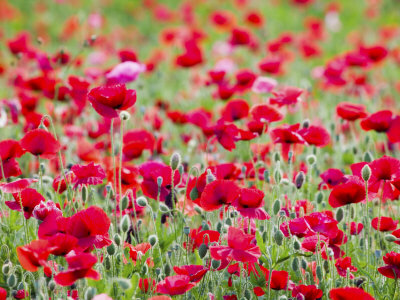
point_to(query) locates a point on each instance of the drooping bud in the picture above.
(167, 269)
(124, 202)
(117, 239)
(319, 272)
(203, 250)
(390, 238)
(295, 264)
(153, 240)
(319, 197)
(194, 193)
(215, 264)
(163, 208)
(11, 280)
(141, 201)
(84, 193)
(300, 178)
(339, 214)
(125, 223)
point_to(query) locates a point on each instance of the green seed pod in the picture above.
(186, 230)
(210, 177)
(124, 284)
(295, 264)
(11, 280)
(283, 297)
(293, 215)
(320, 197)
(125, 223)
(141, 201)
(276, 207)
(362, 243)
(111, 249)
(194, 193)
(277, 157)
(306, 123)
(90, 293)
(84, 193)
(368, 157)
(278, 237)
(277, 176)
(366, 173)
(203, 249)
(320, 274)
(153, 240)
(117, 239)
(167, 269)
(205, 226)
(215, 264)
(339, 214)
(124, 202)
(175, 161)
(124, 115)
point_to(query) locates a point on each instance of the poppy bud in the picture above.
(278, 237)
(167, 269)
(163, 208)
(175, 161)
(362, 243)
(366, 173)
(125, 223)
(277, 157)
(311, 159)
(205, 226)
(290, 156)
(144, 270)
(124, 115)
(284, 181)
(11, 280)
(339, 214)
(295, 264)
(228, 221)
(210, 177)
(303, 264)
(277, 176)
(259, 164)
(306, 123)
(265, 236)
(117, 239)
(319, 272)
(124, 283)
(277, 206)
(262, 228)
(215, 264)
(159, 181)
(111, 249)
(84, 193)
(153, 240)
(266, 176)
(283, 297)
(42, 126)
(368, 157)
(244, 169)
(141, 201)
(247, 294)
(51, 285)
(90, 293)
(326, 266)
(296, 245)
(42, 168)
(390, 238)
(282, 213)
(124, 202)
(198, 210)
(300, 178)
(107, 263)
(203, 250)
(186, 230)
(158, 271)
(320, 197)
(6, 268)
(180, 169)
(194, 193)
(293, 215)
(219, 227)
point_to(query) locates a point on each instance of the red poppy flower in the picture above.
(59, 184)
(150, 171)
(250, 202)
(240, 247)
(28, 199)
(279, 280)
(135, 142)
(343, 265)
(10, 149)
(286, 96)
(235, 110)
(374, 53)
(349, 293)
(393, 133)
(192, 55)
(352, 191)
(3, 294)
(17, 185)
(195, 272)
(287, 134)
(90, 226)
(392, 268)
(307, 292)
(147, 284)
(79, 266)
(271, 65)
(265, 113)
(356, 228)
(199, 236)
(34, 255)
(136, 252)
(63, 244)
(385, 224)
(315, 135)
(175, 285)
(379, 121)
(108, 100)
(41, 143)
(227, 134)
(218, 193)
(350, 111)
(332, 177)
(91, 174)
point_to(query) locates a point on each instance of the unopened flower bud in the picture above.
(175, 161)
(117, 239)
(186, 230)
(90, 293)
(311, 159)
(153, 240)
(366, 173)
(276, 207)
(390, 238)
(141, 201)
(124, 283)
(295, 264)
(125, 223)
(111, 249)
(319, 197)
(300, 178)
(194, 193)
(124, 115)
(84, 193)
(278, 237)
(210, 177)
(368, 157)
(306, 123)
(339, 214)
(163, 208)
(319, 272)
(124, 203)
(203, 250)
(215, 264)
(11, 280)
(167, 269)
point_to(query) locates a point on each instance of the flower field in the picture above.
(200, 149)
